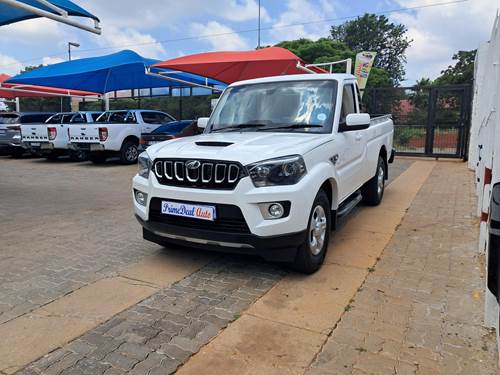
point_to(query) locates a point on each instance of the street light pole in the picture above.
(71, 44)
(258, 37)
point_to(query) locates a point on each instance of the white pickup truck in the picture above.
(281, 159)
(116, 133)
(51, 139)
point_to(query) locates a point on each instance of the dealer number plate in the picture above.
(194, 211)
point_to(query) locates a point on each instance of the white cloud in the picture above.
(35, 31)
(300, 11)
(439, 32)
(9, 65)
(48, 60)
(128, 38)
(220, 38)
(154, 13)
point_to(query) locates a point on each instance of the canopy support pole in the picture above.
(18, 104)
(305, 68)
(61, 17)
(348, 65)
(42, 93)
(157, 75)
(106, 102)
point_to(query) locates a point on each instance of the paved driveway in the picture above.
(65, 226)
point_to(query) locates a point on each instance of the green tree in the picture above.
(461, 72)
(321, 50)
(327, 50)
(375, 33)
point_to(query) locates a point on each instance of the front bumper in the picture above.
(281, 248)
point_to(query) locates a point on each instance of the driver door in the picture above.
(350, 145)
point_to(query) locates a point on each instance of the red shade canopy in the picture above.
(34, 91)
(229, 67)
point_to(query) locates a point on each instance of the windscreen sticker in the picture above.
(321, 117)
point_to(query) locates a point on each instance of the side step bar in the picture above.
(349, 204)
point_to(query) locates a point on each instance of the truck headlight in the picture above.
(286, 170)
(144, 163)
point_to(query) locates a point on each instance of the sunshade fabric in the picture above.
(10, 14)
(41, 91)
(122, 70)
(229, 67)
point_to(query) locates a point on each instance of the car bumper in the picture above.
(281, 248)
(91, 147)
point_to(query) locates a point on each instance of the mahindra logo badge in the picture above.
(193, 164)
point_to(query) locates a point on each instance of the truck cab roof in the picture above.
(340, 77)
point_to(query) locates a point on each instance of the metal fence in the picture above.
(428, 121)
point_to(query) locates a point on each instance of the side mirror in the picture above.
(355, 121)
(202, 122)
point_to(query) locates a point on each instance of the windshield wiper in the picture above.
(292, 126)
(241, 126)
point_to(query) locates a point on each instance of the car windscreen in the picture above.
(306, 106)
(9, 118)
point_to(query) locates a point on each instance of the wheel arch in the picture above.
(331, 190)
(133, 138)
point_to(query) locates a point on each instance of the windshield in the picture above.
(306, 106)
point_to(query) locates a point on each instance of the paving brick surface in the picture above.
(65, 225)
(163, 331)
(420, 311)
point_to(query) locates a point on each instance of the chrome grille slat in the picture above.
(213, 174)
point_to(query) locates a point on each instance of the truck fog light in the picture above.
(141, 197)
(276, 210)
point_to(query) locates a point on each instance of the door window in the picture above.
(348, 102)
(151, 117)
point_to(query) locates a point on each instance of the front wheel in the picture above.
(373, 190)
(129, 152)
(17, 153)
(311, 253)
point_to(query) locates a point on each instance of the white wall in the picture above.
(484, 146)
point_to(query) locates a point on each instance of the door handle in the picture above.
(358, 137)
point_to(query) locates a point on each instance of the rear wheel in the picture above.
(79, 155)
(311, 253)
(129, 152)
(373, 190)
(98, 157)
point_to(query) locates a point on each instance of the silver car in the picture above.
(10, 130)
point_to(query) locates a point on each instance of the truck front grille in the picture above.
(207, 174)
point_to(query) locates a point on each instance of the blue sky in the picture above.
(153, 27)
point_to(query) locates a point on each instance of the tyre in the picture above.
(129, 152)
(373, 190)
(51, 156)
(79, 155)
(98, 157)
(311, 253)
(16, 153)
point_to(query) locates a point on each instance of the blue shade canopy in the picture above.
(123, 70)
(10, 14)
